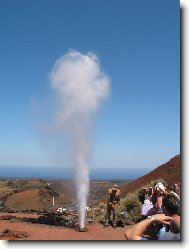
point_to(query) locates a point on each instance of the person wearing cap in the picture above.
(113, 200)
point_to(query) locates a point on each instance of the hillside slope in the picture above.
(169, 171)
(37, 199)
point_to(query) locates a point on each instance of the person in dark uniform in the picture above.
(113, 200)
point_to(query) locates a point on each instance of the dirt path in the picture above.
(46, 232)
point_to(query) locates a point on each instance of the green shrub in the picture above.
(153, 183)
(101, 218)
(132, 205)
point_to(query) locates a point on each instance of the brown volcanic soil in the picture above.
(15, 230)
(37, 199)
(169, 172)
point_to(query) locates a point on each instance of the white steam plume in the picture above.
(80, 86)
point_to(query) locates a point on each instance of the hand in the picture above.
(162, 218)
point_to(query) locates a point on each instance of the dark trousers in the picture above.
(110, 209)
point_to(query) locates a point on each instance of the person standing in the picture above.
(147, 206)
(113, 200)
(157, 197)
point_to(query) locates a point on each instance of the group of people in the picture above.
(152, 198)
(160, 212)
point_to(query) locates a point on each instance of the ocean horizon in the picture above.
(58, 173)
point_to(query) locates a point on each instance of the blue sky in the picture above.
(138, 44)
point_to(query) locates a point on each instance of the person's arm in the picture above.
(136, 231)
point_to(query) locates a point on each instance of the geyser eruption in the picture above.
(80, 86)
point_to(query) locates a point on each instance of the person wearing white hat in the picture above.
(159, 192)
(160, 186)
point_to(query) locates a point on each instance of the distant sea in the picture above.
(62, 173)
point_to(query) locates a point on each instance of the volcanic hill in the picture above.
(169, 172)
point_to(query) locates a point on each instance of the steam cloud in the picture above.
(80, 86)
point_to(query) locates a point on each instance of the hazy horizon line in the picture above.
(68, 173)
